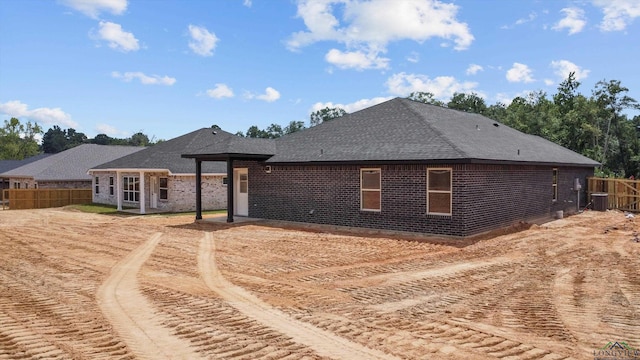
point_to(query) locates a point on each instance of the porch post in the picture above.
(198, 189)
(143, 204)
(119, 190)
(230, 182)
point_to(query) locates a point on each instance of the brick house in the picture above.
(66, 169)
(402, 165)
(158, 179)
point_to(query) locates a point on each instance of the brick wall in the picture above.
(485, 197)
(181, 191)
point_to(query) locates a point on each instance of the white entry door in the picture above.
(241, 190)
(153, 192)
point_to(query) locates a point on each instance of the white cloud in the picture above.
(507, 99)
(117, 38)
(144, 79)
(352, 107)
(50, 116)
(414, 57)
(618, 14)
(220, 91)
(532, 16)
(473, 69)
(549, 82)
(202, 41)
(270, 95)
(110, 131)
(93, 8)
(247, 3)
(369, 26)
(562, 68)
(520, 73)
(574, 20)
(442, 87)
(356, 60)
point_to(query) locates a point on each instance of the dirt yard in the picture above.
(82, 286)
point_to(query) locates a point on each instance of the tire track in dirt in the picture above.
(131, 314)
(323, 342)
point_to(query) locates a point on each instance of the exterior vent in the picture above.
(267, 169)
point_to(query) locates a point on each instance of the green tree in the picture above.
(326, 114)
(139, 139)
(255, 132)
(274, 131)
(619, 135)
(18, 141)
(425, 97)
(56, 140)
(101, 139)
(467, 102)
(294, 126)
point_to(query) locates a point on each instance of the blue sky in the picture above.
(170, 67)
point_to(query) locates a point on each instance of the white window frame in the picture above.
(363, 190)
(165, 188)
(554, 184)
(129, 191)
(112, 188)
(97, 185)
(450, 191)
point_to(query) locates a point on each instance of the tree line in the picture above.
(19, 141)
(593, 125)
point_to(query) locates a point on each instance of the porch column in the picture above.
(198, 189)
(119, 190)
(143, 204)
(230, 190)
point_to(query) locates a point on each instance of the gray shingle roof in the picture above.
(6, 165)
(167, 155)
(71, 164)
(406, 130)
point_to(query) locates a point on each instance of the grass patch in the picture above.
(113, 210)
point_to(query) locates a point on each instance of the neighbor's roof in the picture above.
(406, 130)
(167, 155)
(71, 164)
(6, 165)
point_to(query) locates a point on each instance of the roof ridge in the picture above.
(435, 129)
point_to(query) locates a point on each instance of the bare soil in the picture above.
(83, 286)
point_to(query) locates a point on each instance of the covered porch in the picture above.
(230, 148)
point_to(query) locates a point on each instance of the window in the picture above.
(554, 184)
(439, 191)
(370, 189)
(244, 183)
(164, 188)
(112, 190)
(131, 188)
(97, 185)
(225, 181)
(16, 185)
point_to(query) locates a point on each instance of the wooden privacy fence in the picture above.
(44, 198)
(623, 194)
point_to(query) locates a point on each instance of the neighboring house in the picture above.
(66, 169)
(158, 178)
(402, 165)
(6, 165)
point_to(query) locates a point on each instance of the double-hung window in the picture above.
(370, 190)
(97, 185)
(439, 191)
(112, 190)
(164, 188)
(131, 188)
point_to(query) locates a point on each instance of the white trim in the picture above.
(152, 170)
